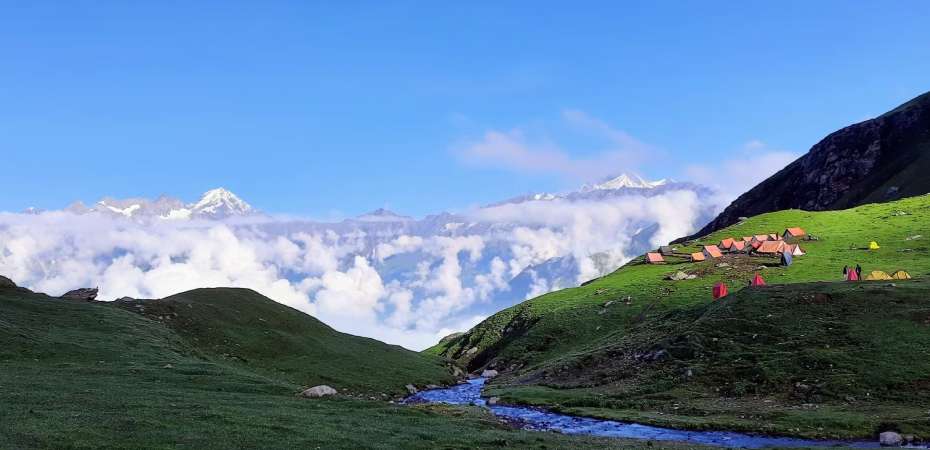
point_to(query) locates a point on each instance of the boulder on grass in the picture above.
(319, 391)
(411, 389)
(490, 373)
(890, 439)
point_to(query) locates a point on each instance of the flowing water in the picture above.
(539, 419)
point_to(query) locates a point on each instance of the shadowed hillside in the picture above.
(243, 327)
(79, 375)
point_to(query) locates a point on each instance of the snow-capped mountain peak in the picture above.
(383, 215)
(220, 203)
(624, 181)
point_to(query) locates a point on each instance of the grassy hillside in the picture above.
(574, 342)
(241, 327)
(77, 375)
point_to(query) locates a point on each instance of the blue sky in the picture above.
(332, 108)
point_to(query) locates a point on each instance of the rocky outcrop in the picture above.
(450, 337)
(6, 282)
(882, 159)
(85, 294)
(490, 373)
(319, 391)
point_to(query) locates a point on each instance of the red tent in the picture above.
(720, 290)
(758, 281)
(851, 275)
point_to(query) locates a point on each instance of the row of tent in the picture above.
(878, 275)
(720, 289)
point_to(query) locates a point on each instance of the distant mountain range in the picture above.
(878, 160)
(214, 204)
(476, 262)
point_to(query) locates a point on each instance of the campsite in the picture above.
(742, 351)
(748, 255)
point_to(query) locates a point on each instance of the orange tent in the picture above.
(851, 275)
(697, 257)
(654, 258)
(758, 281)
(720, 290)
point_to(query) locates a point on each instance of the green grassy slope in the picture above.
(561, 339)
(240, 326)
(77, 375)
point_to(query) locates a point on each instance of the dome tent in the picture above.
(901, 275)
(873, 245)
(876, 275)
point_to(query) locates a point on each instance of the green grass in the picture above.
(243, 328)
(569, 348)
(77, 375)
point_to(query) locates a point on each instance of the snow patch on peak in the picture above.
(220, 202)
(624, 181)
(382, 215)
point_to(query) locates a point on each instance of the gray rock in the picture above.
(319, 391)
(432, 386)
(411, 389)
(490, 373)
(450, 337)
(493, 401)
(472, 351)
(85, 294)
(890, 439)
(6, 282)
(457, 372)
(722, 265)
(678, 276)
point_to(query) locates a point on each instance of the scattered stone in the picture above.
(678, 276)
(432, 386)
(892, 285)
(85, 294)
(890, 439)
(493, 401)
(168, 366)
(490, 373)
(472, 351)
(692, 276)
(319, 391)
(411, 389)
(457, 372)
(722, 265)
(608, 303)
(6, 282)
(913, 238)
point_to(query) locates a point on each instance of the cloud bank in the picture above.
(408, 283)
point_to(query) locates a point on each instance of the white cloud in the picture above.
(400, 286)
(516, 151)
(749, 166)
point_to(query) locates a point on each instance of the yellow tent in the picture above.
(901, 275)
(877, 275)
(873, 245)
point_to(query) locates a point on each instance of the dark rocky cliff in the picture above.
(878, 160)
